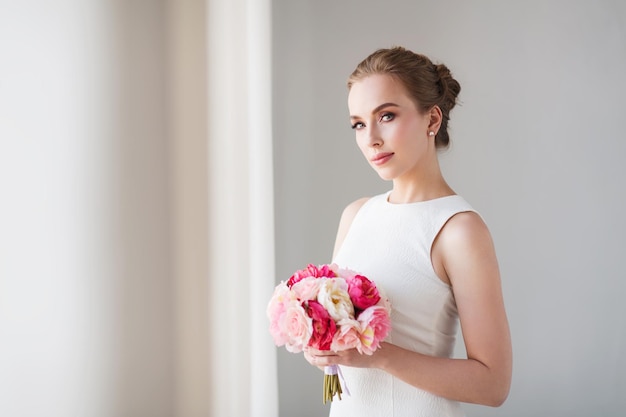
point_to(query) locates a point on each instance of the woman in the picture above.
(425, 246)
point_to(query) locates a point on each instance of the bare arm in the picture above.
(464, 254)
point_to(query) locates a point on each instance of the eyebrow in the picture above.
(378, 108)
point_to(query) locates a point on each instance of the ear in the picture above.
(435, 117)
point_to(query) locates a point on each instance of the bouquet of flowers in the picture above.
(328, 308)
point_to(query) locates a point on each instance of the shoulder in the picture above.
(462, 239)
(348, 215)
(465, 245)
(350, 211)
(464, 226)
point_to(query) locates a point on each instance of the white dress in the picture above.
(390, 244)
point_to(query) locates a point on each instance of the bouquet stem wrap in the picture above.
(332, 386)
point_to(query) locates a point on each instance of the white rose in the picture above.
(333, 296)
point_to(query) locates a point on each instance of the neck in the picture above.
(424, 184)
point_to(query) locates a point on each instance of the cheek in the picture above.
(407, 138)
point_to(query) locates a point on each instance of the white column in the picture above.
(241, 262)
(56, 257)
(263, 376)
(85, 288)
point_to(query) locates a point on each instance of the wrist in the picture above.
(383, 354)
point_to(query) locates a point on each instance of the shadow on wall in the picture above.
(140, 207)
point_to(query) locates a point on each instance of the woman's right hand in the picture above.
(311, 357)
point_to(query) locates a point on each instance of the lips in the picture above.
(381, 158)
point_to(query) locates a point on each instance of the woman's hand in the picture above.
(352, 357)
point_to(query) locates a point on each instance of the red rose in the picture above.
(363, 292)
(324, 271)
(324, 328)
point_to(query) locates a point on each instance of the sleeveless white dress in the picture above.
(390, 244)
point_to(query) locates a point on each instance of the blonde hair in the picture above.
(427, 84)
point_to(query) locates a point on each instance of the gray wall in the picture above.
(538, 149)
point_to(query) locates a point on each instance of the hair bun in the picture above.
(450, 88)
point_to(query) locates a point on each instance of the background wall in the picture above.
(537, 147)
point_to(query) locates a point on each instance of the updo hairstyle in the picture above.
(427, 84)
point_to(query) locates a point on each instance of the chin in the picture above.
(385, 176)
(386, 173)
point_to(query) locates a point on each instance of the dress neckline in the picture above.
(415, 203)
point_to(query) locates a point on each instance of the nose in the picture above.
(374, 138)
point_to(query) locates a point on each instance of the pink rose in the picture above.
(363, 292)
(345, 273)
(276, 311)
(347, 336)
(297, 325)
(375, 326)
(324, 327)
(312, 271)
(307, 288)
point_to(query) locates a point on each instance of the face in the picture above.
(390, 131)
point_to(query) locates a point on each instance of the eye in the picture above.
(387, 117)
(358, 125)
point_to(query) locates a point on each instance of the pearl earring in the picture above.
(431, 133)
